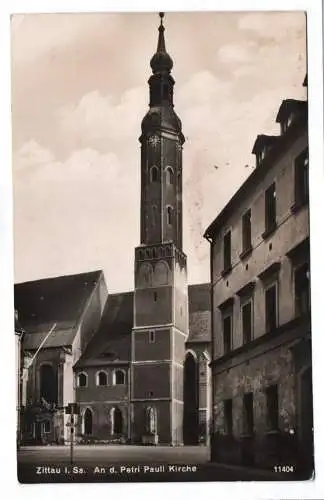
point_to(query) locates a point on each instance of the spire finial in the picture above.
(161, 61)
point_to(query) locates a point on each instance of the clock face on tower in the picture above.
(154, 140)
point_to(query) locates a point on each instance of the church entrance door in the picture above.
(191, 403)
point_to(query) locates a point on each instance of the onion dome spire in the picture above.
(161, 61)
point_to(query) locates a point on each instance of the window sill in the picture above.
(269, 231)
(246, 252)
(226, 271)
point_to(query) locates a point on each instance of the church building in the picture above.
(137, 363)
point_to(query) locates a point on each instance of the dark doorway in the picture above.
(48, 384)
(191, 402)
(306, 421)
(87, 422)
(117, 421)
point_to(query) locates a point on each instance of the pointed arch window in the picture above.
(119, 377)
(48, 383)
(154, 215)
(154, 174)
(102, 378)
(169, 215)
(169, 176)
(151, 420)
(116, 419)
(87, 422)
(82, 380)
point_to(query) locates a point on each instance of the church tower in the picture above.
(161, 295)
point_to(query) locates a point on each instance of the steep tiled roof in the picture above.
(112, 342)
(59, 300)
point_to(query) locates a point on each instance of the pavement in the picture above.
(110, 463)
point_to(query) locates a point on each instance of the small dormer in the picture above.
(288, 111)
(262, 146)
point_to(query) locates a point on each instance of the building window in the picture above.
(154, 174)
(227, 248)
(102, 378)
(271, 308)
(169, 176)
(151, 337)
(47, 426)
(154, 215)
(119, 377)
(82, 380)
(87, 422)
(247, 322)
(48, 383)
(227, 333)
(155, 296)
(272, 407)
(301, 179)
(246, 232)
(270, 208)
(169, 215)
(151, 420)
(302, 290)
(248, 420)
(228, 416)
(116, 419)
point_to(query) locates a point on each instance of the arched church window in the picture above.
(151, 420)
(145, 275)
(48, 383)
(154, 174)
(169, 215)
(102, 378)
(119, 377)
(116, 418)
(82, 380)
(161, 273)
(169, 176)
(87, 422)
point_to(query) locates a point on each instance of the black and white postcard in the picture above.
(162, 246)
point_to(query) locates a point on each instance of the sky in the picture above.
(79, 93)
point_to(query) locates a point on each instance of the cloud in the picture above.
(77, 202)
(55, 31)
(78, 214)
(32, 154)
(233, 54)
(99, 120)
(276, 25)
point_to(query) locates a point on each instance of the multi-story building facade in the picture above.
(260, 277)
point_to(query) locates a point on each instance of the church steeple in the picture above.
(160, 294)
(161, 61)
(161, 140)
